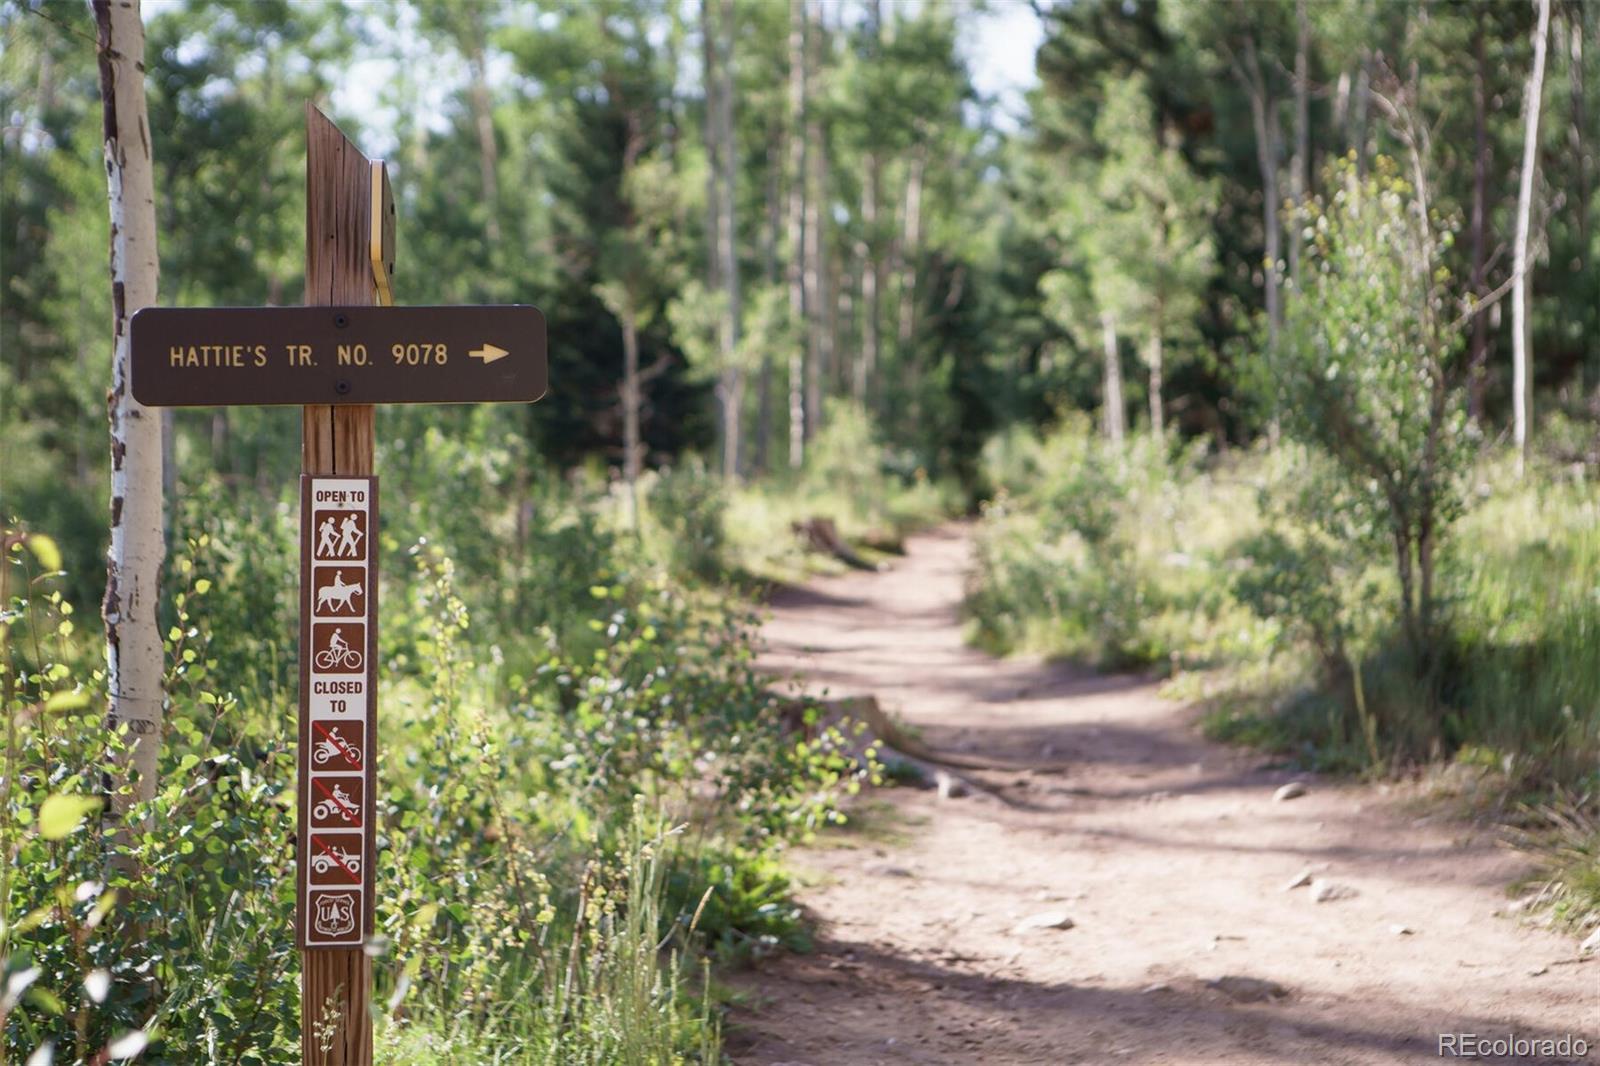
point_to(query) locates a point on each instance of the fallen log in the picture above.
(929, 768)
(822, 535)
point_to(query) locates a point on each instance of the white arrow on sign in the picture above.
(489, 353)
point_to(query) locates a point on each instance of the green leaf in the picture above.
(67, 701)
(61, 815)
(44, 549)
(46, 1000)
(202, 586)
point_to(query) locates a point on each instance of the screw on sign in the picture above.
(337, 357)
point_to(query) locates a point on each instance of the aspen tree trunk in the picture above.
(1522, 385)
(1300, 165)
(871, 261)
(797, 227)
(816, 179)
(728, 248)
(1264, 117)
(774, 223)
(711, 86)
(867, 362)
(1576, 25)
(631, 447)
(837, 304)
(906, 318)
(1112, 413)
(1359, 111)
(483, 119)
(134, 656)
(1154, 359)
(1478, 344)
(1341, 104)
(724, 269)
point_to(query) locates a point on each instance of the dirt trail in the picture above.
(1166, 851)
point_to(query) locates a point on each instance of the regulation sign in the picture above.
(338, 712)
(225, 356)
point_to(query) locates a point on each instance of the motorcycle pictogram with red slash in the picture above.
(337, 745)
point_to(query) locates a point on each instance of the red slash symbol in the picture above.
(334, 855)
(336, 803)
(351, 755)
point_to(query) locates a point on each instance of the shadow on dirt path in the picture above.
(1167, 853)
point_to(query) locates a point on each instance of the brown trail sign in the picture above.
(209, 356)
(337, 357)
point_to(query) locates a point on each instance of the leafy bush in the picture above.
(1104, 553)
(1267, 568)
(533, 756)
(1368, 372)
(686, 505)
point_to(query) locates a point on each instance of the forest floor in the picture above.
(1167, 852)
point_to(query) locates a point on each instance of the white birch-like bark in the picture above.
(911, 243)
(1300, 165)
(728, 248)
(1112, 414)
(1521, 381)
(816, 179)
(797, 230)
(632, 439)
(134, 655)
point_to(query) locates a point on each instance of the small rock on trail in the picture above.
(1293, 790)
(1248, 989)
(950, 786)
(1044, 920)
(1325, 891)
(1300, 880)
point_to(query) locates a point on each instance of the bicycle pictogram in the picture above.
(338, 647)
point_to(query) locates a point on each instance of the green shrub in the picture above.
(525, 774)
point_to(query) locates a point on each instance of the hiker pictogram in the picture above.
(336, 746)
(336, 858)
(340, 591)
(338, 647)
(340, 535)
(333, 914)
(336, 802)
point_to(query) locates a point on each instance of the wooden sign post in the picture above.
(336, 364)
(336, 981)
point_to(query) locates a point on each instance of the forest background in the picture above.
(1217, 331)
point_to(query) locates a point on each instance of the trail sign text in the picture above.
(223, 356)
(338, 708)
